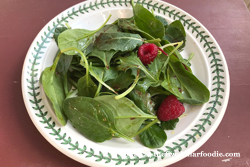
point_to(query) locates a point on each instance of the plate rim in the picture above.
(149, 3)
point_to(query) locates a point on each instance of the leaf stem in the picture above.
(152, 11)
(68, 26)
(99, 87)
(171, 44)
(83, 58)
(152, 40)
(177, 47)
(93, 32)
(73, 82)
(132, 4)
(145, 127)
(100, 81)
(65, 84)
(56, 61)
(166, 62)
(123, 136)
(190, 57)
(131, 87)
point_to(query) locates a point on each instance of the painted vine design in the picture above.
(66, 140)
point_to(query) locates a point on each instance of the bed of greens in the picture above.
(98, 82)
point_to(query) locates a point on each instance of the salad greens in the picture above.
(100, 85)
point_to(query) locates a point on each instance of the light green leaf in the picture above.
(53, 88)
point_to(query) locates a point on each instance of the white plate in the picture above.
(192, 131)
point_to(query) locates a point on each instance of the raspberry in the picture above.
(147, 53)
(170, 109)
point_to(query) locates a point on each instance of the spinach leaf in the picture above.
(57, 32)
(176, 53)
(163, 20)
(142, 100)
(169, 125)
(198, 92)
(105, 56)
(95, 61)
(84, 89)
(77, 74)
(118, 41)
(155, 67)
(133, 61)
(178, 24)
(102, 75)
(76, 38)
(175, 32)
(131, 19)
(105, 74)
(90, 117)
(170, 85)
(153, 137)
(128, 117)
(109, 28)
(53, 88)
(64, 63)
(62, 69)
(122, 81)
(152, 72)
(128, 25)
(158, 99)
(145, 83)
(89, 49)
(147, 22)
(158, 91)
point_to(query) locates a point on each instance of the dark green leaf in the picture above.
(158, 99)
(57, 32)
(163, 20)
(169, 125)
(142, 100)
(121, 82)
(105, 56)
(171, 84)
(133, 61)
(64, 63)
(155, 67)
(158, 91)
(147, 22)
(175, 32)
(109, 28)
(198, 92)
(86, 89)
(104, 73)
(144, 84)
(153, 137)
(128, 25)
(178, 24)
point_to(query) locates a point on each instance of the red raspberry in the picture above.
(147, 53)
(170, 109)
